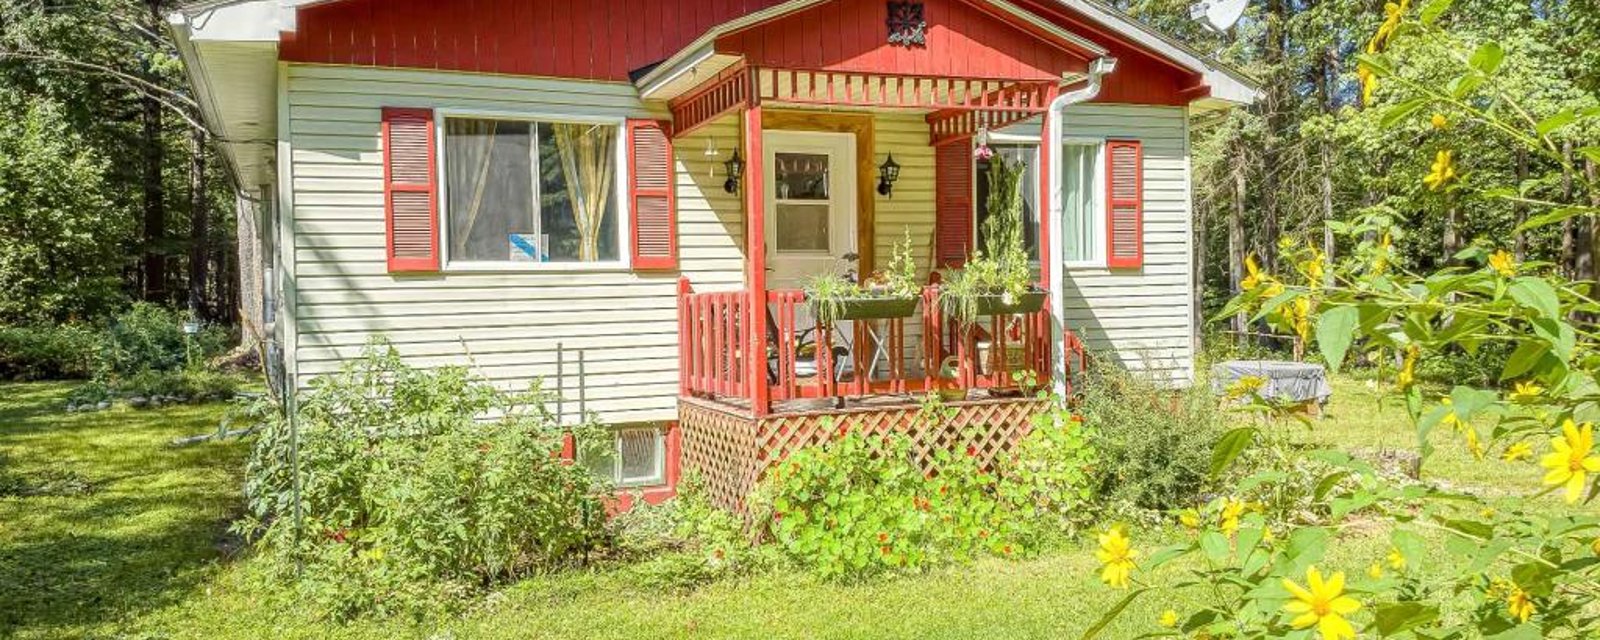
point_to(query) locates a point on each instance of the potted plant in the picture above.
(999, 280)
(891, 293)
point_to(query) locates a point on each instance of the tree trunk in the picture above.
(1568, 229)
(1236, 240)
(199, 227)
(155, 205)
(1275, 104)
(1330, 72)
(1519, 210)
(1587, 269)
(1451, 242)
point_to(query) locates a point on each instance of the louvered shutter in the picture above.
(650, 188)
(953, 207)
(1124, 204)
(410, 190)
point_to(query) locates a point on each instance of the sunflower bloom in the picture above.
(1439, 121)
(1117, 556)
(1571, 463)
(1443, 171)
(1391, 21)
(1519, 604)
(1503, 263)
(1322, 604)
(1252, 278)
(1526, 392)
(1189, 518)
(1369, 83)
(1169, 618)
(1232, 509)
(1397, 560)
(1518, 451)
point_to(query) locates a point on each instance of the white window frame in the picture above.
(1098, 200)
(1014, 139)
(622, 263)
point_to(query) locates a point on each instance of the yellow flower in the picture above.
(1570, 464)
(1300, 309)
(1397, 560)
(1526, 392)
(1252, 278)
(1408, 368)
(1439, 121)
(1169, 618)
(1380, 259)
(1322, 605)
(1391, 21)
(1595, 546)
(1518, 451)
(1519, 605)
(1245, 386)
(1117, 557)
(1376, 571)
(1267, 535)
(1473, 444)
(1443, 171)
(1273, 289)
(1369, 83)
(1450, 419)
(1232, 508)
(1189, 518)
(1503, 263)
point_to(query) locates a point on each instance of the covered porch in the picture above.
(759, 376)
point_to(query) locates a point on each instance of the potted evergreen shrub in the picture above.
(997, 280)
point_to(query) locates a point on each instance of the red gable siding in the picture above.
(852, 35)
(605, 39)
(592, 39)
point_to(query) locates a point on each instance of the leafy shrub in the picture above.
(859, 505)
(48, 352)
(1154, 442)
(685, 542)
(195, 385)
(150, 337)
(416, 483)
(1050, 478)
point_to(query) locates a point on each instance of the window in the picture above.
(524, 191)
(636, 459)
(1082, 203)
(1028, 154)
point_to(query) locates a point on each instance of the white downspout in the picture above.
(1057, 258)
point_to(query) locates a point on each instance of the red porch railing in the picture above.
(876, 357)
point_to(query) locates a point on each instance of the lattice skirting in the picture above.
(731, 451)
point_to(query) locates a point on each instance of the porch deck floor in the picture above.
(809, 406)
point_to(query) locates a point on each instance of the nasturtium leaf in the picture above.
(1535, 293)
(1433, 9)
(1229, 447)
(1487, 57)
(1336, 328)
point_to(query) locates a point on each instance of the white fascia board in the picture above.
(239, 21)
(1226, 84)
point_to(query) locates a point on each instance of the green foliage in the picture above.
(416, 485)
(44, 352)
(195, 385)
(859, 505)
(1002, 269)
(686, 542)
(59, 244)
(1154, 442)
(1050, 478)
(150, 337)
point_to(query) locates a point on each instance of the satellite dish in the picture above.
(1218, 15)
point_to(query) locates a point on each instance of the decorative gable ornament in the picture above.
(907, 27)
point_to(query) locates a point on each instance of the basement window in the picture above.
(636, 457)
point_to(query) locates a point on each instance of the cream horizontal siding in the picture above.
(506, 325)
(1141, 317)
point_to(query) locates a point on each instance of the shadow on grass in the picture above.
(143, 539)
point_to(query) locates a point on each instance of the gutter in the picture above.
(1053, 118)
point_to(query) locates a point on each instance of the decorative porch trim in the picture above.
(723, 95)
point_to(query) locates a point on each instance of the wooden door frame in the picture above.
(861, 126)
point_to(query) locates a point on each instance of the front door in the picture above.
(810, 203)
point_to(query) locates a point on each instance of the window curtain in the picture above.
(469, 149)
(1077, 201)
(588, 164)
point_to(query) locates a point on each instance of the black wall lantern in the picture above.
(888, 172)
(735, 169)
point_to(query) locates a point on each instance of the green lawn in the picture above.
(144, 553)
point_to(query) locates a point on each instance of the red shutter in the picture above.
(650, 188)
(410, 190)
(1124, 204)
(953, 207)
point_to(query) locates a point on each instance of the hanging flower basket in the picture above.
(997, 304)
(868, 308)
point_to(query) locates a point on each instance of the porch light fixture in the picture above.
(888, 173)
(735, 168)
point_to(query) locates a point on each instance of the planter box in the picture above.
(994, 305)
(873, 308)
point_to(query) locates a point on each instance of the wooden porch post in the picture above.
(756, 256)
(1049, 146)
